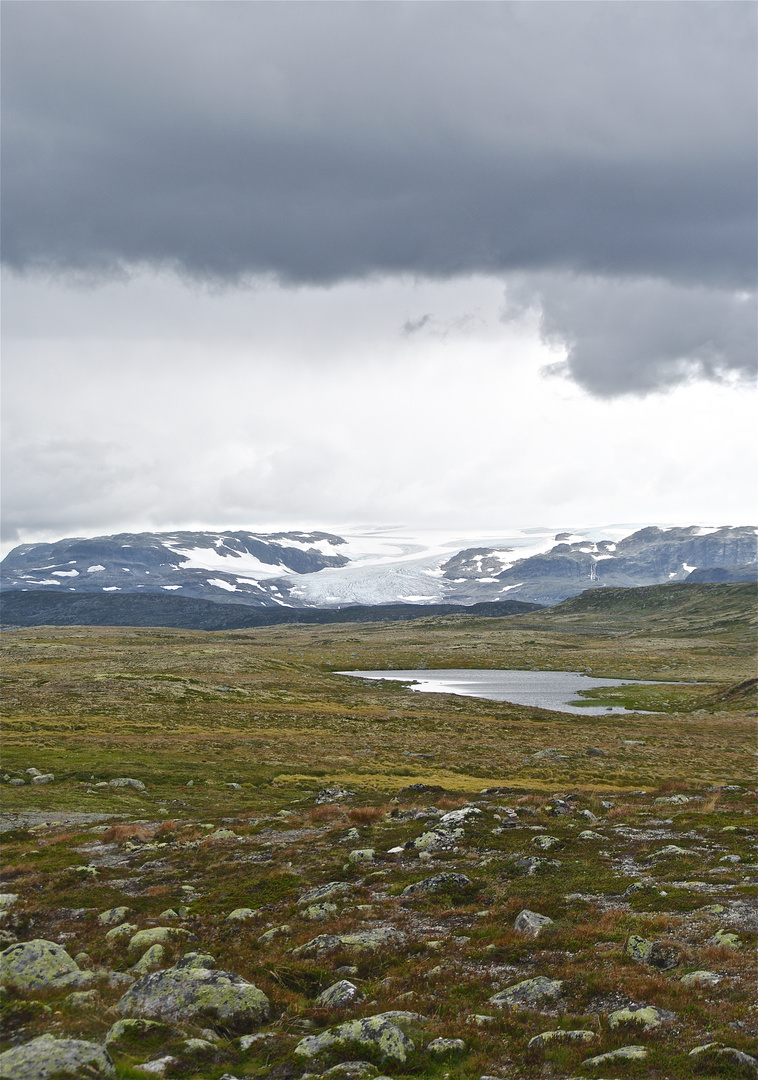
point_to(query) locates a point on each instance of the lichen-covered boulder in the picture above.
(157, 935)
(48, 1057)
(647, 1016)
(624, 1053)
(241, 914)
(150, 960)
(545, 843)
(359, 941)
(561, 1035)
(126, 1033)
(704, 1057)
(700, 978)
(528, 993)
(446, 1046)
(197, 960)
(113, 916)
(180, 994)
(383, 1033)
(531, 923)
(324, 892)
(40, 965)
(339, 995)
(319, 912)
(725, 939)
(438, 883)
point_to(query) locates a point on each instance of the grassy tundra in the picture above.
(263, 771)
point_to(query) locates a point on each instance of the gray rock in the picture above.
(717, 1050)
(158, 1066)
(275, 932)
(530, 923)
(588, 834)
(82, 999)
(47, 778)
(361, 855)
(438, 883)
(40, 965)
(16, 782)
(127, 782)
(339, 995)
(320, 911)
(531, 865)
(178, 995)
(725, 939)
(241, 914)
(48, 1057)
(545, 843)
(124, 930)
(529, 992)
(351, 1070)
(382, 1033)
(324, 892)
(359, 941)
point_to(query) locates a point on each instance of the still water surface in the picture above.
(555, 690)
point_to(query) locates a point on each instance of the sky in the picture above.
(476, 266)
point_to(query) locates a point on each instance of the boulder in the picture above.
(382, 1033)
(571, 1035)
(126, 929)
(40, 965)
(648, 1016)
(361, 855)
(359, 941)
(157, 935)
(624, 1053)
(127, 782)
(339, 995)
(182, 994)
(241, 914)
(438, 883)
(530, 923)
(446, 1046)
(275, 932)
(113, 916)
(319, 912)
(127, 1033)
(725, 939)
(717, 1052)
(545, 843)
(324, 892)
(197, 960)
(149, 961)
(49, 1057)
(528, 993)
(700, 978)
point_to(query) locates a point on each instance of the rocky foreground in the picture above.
(505, 934)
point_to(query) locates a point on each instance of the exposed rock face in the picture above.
(40, 965)
(383, 1033)
(47, 1057)
(529, 993)
(180, 994)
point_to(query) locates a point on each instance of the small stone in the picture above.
(446, 1046)
(638, 948)
(47, 778)
(82, 999)
(324, 892)
(198, 1047)
(16, 782)
(545, 843)
(125, 1032)
(339, 995)
(530, 923)
(222, 834)
(246, 1041)
(158, 1066)
(595, 751)
(362, 940)
(668, 852)
(588, 834)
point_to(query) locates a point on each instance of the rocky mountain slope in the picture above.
(325, 570)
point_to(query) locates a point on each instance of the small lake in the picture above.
(556, 690)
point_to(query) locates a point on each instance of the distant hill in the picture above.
(151, 609)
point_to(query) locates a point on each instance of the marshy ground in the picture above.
(265, 774)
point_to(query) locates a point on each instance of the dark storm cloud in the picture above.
(322, 142)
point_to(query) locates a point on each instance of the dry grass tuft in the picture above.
(366, 815)
(326, 813)
(122, 834)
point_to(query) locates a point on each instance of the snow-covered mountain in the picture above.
(321, 569)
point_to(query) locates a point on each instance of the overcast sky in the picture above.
(466, 265)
